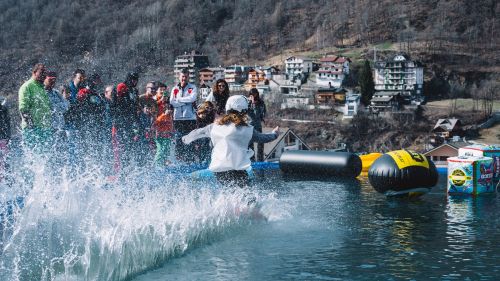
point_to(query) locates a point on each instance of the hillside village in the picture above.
(304, 83)
(322, 92)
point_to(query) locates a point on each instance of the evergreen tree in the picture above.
(366, 84)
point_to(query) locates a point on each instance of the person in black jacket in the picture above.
(91, 123)
(125, 113)
(5, 132)
(5, 135)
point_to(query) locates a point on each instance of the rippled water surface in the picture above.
(344, 230)
(149, 228)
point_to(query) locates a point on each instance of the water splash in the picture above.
(88, 228)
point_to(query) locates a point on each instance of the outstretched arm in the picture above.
(263, 138)
(197, 134)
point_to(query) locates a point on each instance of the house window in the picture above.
(290, 140)
(443, 158)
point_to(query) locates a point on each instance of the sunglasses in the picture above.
(221, 86)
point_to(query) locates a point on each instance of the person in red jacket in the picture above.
(163, 125)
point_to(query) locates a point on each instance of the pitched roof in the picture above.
(334, 59)
(343, 59)
(454, 145)
(329, 59)
(271, 147)
(446, 124)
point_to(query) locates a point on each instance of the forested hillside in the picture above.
(112, 36)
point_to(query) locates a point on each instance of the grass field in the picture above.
(462, 104)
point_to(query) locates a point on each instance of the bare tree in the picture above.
(489, 93)
(475, 95)
(456, 91)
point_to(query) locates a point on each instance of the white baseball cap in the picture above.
(238, 103)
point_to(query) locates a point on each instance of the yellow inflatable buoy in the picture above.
(367, 160)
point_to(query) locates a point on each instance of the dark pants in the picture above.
(259, 152)
(184, 152)
(233, 178)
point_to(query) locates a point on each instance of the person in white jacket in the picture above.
(182, 99)
(230, 136)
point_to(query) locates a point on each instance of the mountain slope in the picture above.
(112, 36)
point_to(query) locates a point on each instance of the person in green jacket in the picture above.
(34, 106)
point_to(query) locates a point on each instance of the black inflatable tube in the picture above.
(320, 163)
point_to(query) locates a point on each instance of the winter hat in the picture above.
(237, 103)
(82, 94)
(121, 89)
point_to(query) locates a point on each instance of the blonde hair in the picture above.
(239, 119)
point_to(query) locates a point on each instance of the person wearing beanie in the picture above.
(91, 124)
(230, 135)
(125, 114)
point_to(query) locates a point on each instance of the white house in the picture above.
(297, 67)
(285, 142)
(352, 104)
(332, 71)
(402, 75)
(297, 102)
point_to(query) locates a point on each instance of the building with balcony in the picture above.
(297, 68)
(193, 61)
(255, 77)
(400, 75)
(332, 71)
(330, 96)
(385, 101)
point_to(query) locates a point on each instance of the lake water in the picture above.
(313, 230)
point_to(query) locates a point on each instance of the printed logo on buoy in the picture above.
(458, 177)
(407, 158)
